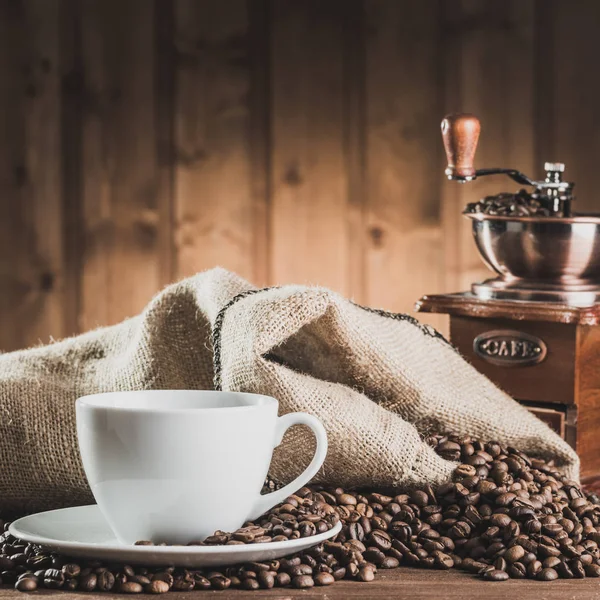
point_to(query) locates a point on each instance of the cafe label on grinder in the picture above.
(509, 348)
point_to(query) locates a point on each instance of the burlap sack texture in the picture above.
(376, 380)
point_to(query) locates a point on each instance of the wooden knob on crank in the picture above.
(460, 133)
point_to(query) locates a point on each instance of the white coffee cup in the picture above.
(175, 466)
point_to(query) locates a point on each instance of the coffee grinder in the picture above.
(534, 329)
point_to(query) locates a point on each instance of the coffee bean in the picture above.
(355, 545)
(366, 573)
(286, 563)
(300, 570)
(19, 559)
(53, 579)
(514, 553)
(472, 566)
(551, 562)
(220, 582)
(130, 587)
(379, 523)
(443, 560)
(157, 587)
(283, 579)
(465, 471)
(592, 570)
(163, 576)
(356, 531)
(495, 575)
(71, 570)
(547, 575)
(577, 568)
(374, 555)
(179, 585)
(87, 583)
(26, 584)
(347, 499)
(517, 570)
(250, 584)
(265, 578)
(552, 529)
(265, 539)
(500, 564)
(201, 582)
(564, 571)
(303, 581)
(389, 562)
(547, 550)
(532, 526)
(419, 497)
(128, 570)
(380, 539)
(521, 513)
(449, 450)
(400, 530)
(505, 499)
(323, 579)
(460, 529)
(500, 520)
(105, 581)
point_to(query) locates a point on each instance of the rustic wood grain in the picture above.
(573, 136)
(489, 50)
(215, 208)
(260, 109)
(555, 419)
(121, 213)
(404, 153)
(587, 398)
(164, 94)
(309, 186)
(288, 141)
(71, 131)
(31, 218)
(467, 305)
(403, 583)
(356, 151)
(551, 381)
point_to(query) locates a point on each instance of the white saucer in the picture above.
(82, 531)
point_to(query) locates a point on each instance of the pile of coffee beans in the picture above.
(520, 204)
(296, 518)
(504, 515)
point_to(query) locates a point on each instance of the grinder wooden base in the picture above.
(545, 355)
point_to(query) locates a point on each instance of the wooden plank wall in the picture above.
(289, 140)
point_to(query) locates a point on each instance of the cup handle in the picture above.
(267, 501)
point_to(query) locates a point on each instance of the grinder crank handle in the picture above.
(460, 133)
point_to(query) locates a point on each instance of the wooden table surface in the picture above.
(414, 584)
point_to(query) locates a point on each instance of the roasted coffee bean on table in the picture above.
(504, 516)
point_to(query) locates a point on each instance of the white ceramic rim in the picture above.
(94, 401)
(196, 550)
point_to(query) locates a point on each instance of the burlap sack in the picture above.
(376, 381)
